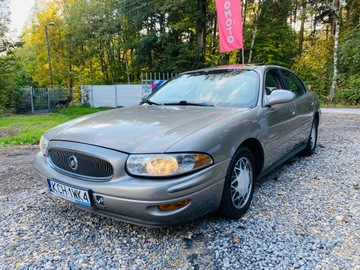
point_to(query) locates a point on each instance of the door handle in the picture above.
(292, 112)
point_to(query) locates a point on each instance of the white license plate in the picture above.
(71, 193)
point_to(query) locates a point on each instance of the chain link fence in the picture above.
(37, 100)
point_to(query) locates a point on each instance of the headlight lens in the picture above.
(166, 165)
(43, 145)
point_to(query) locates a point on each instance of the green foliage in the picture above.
(350, 93)
(113, 41)
(10, 80)
(6, 59)
(315, 66)
(349, 53)
(275, 41)
(172, 33)
(349, 66)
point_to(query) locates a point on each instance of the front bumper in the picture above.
(136, 200)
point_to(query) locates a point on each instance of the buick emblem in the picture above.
(73, 163)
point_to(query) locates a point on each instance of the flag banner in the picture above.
(230, 24)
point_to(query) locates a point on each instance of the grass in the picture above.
(27, 129)
(339, 105)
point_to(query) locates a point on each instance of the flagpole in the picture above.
(242, 56)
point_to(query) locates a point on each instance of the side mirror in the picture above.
(280, 96)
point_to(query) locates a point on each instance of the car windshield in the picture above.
(234, 88)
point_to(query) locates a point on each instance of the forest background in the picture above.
(115, 41)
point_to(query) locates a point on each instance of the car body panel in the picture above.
(136, 199)
(279, 117)
(142, 129)
(305, 106)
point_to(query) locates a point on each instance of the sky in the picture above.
(20, 10)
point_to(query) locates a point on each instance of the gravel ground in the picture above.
(304, 215)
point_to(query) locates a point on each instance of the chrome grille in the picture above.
(80, 165)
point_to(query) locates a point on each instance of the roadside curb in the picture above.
(340, 110)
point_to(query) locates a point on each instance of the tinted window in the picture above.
(272, 81)
(294, 84)
(237, 88)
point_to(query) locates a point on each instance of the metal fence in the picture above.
(123, 95)
(152, 80)
(119, 95)
(43, 99)
(37, 100)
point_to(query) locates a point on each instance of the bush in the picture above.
(350, 93)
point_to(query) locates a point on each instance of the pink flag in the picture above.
(230, 24)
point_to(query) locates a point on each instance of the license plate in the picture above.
(71, 193)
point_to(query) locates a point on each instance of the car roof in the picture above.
(257, 67)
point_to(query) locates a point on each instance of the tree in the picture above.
(6, 57)
(256, 8)
(95, 42)
(4, 17)
(275, 39)
(349, 68)
(314, 64)
(335, 8)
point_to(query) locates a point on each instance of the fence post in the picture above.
(116, 95)
(91, 97)
(48, 99)
(32, 100)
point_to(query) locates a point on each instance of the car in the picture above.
(194, 146)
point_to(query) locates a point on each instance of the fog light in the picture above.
(173, 206)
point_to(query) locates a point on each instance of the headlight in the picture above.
(43, 145)
(166, 165)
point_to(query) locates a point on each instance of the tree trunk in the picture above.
(214, 36)
(244, 13)
(255, 28)
(302, 26)
(201, 25)
(253, 41)
(336, 10)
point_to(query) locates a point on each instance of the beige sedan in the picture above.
(195, 146)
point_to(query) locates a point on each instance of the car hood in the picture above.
(140, 129)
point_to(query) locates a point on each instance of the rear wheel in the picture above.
(312, 141)
(239, 184)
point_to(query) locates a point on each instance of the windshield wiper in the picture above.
(185, 103)
(149, 102)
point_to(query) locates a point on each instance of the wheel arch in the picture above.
(257, 150)
(317, 117)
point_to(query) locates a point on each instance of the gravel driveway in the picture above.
(304, 215)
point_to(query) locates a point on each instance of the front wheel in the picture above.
(239, 184)
(312, 140)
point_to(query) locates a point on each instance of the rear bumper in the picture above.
(136, 200)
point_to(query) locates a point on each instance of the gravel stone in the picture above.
(304, 215)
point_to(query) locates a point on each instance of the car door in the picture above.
(280, 118)
(304, 104)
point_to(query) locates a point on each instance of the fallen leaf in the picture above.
(340, 218)
(235, 239)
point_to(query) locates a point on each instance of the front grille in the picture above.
(80, 165)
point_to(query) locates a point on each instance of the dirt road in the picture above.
(16, 170)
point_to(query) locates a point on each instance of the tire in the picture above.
(239, 184)
(312, 140)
